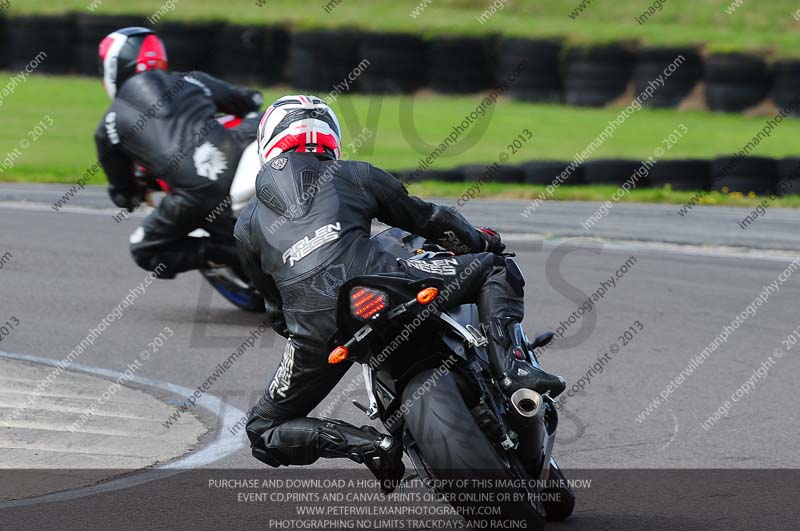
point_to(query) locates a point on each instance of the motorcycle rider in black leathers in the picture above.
(165, 122)
(305, 233)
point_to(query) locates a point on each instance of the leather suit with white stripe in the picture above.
(300, 239)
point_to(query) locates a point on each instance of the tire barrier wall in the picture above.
(460, 64)
(397, 63)
(651, 64)
(598, 75)
(541, 79)
(788, 172)
(4, 50)
(736, 81)
(759, 175)
(254, 55)
(311, 64)
(26, 37)
(786, 82)
(400, 63)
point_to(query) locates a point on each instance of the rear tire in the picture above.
(454, 448)
(559, 502)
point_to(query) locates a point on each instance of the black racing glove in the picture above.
(491, 241)
(249, 100)
(128, 202)
(256, 97)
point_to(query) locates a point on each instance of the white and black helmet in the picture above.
(127, 52)
(299, 123)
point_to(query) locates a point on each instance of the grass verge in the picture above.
(405, 130)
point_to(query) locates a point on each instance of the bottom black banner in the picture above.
(297, 498)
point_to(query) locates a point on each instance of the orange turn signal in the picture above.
(338, 355)
(427, 295)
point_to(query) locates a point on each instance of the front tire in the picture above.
(453, 448)
(226, 283)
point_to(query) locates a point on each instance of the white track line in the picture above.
(674, 249)
(41, 207)
(224, 445)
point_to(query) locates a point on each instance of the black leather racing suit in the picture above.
(305, 234)
(165, 122)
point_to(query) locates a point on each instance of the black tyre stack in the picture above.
(544, 172)
(681, 174)
(397, 63)
(4, 48)
(789, 176)
(745, 175)
(735, 81)
(534, 66)
(611, 171)
(460, 64)
(488, 173)
(597, 75)
(53, 35)
(190, 46)
(760, 175)
(786, 85)
(250, 54)
(314, 66)
(653, 62)
(90, 30)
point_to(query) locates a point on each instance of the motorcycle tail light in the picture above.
(366, 302)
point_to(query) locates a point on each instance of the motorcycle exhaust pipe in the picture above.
(526, 402)
(526, 416)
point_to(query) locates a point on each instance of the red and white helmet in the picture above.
(127, 52)
(299, 123)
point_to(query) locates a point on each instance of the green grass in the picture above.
(75, 105)
(596, 193)
(66, 149)
(755, 24)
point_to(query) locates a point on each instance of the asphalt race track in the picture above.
(69, 269)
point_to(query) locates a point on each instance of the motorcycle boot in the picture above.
(508, 355)
(382, 454)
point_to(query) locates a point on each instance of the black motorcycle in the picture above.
(429, 381)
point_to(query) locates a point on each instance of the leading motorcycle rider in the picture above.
(165, 122)
(305, 233)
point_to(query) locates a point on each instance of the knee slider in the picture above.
(258, 423)
(258, 445)
(266, 456)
